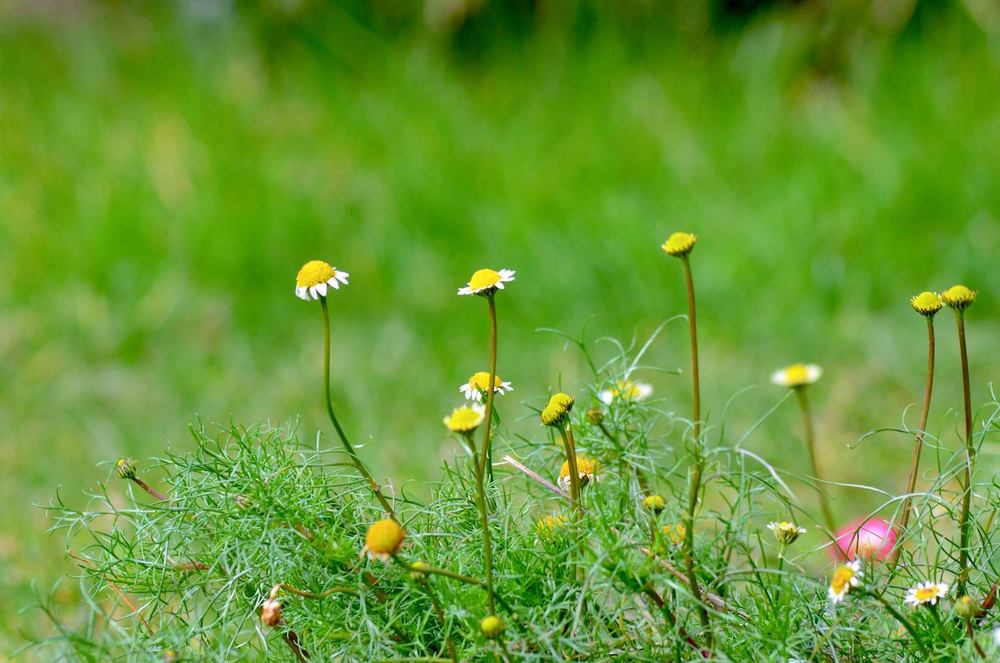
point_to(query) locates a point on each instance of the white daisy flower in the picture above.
(487, 281)
(627, 391)
(925, 593)
(797, 375)
(845, 578)
(786, 532)
(315, 278)
(586, 469)
(476, 386)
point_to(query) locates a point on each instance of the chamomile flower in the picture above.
(654, 503)
(315, 278)
(926, 593)
(466, 419)
(487, 281)
(845, 578)
(797, 375)
(383, 540)
(549, 526)
(477, 385)
(927, 304)
(491, 627)
(556, 413)
(585, 468)
(959, 297)
(626, 390)
(679, 245)
(786, 533)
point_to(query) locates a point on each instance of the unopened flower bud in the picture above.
(125, 468)
(416, 570)
(654, 503)
(595, 416)
(966, 607)
(242, 501)
(491, 627)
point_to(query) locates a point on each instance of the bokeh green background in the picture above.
(164, 172)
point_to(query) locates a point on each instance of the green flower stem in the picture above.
(422, 583)
(336, 424)
(964, 526)
(566, 432)
(936, 618)
(484, 459)
(891, 609)
(454, 576)
(918, 443)
(807, 423)
(699, 462)
(311, 595)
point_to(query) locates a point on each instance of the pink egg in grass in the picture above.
(867, 538)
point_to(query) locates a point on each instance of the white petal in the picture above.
(342, 277)
(814, 372)
(300, 292)
(333, 283)
(499, 285)
(321, 288)
(465, 291)
(313, 293)
(780, 378)
(606, 397)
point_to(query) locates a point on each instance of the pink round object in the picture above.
(871, 539)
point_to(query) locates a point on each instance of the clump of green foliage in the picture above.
(253, 545)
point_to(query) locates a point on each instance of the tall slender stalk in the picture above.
(566, 432)
(375, 488)
(698, 467)
(918, 442)
(824, 503)
(484, 457)
(964, 525)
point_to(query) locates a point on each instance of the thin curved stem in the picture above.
(963, 523)
(807, 423)
(918, 442)
(891, 609)
(375, 488)
(433, 570)
(440, 615)
(310, 595)
(698, 467)
(574, 474)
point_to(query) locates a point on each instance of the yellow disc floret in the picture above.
(675, 533)
(797, 374)
(959, 297)
(549, 525)
(384, 539)
(679, 244)
(465, 419)
(484, 278)
(313, 273)
(491, 627)
(927, 303)
(481, 379)
(654, 503)
(586, 469)
(557, 411)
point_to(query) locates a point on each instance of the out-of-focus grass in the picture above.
(161, 182)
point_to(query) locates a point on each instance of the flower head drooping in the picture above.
(487, 281)
(125, 468)
(925, 593)
(315, 277)
(797, 375)
(586, 468)
(549, 526)
(927, 304)
(270, 612)
(959, 297)
(845, 578)
(786, 533)
(491, 627)
(556, 413)
(466, 419)
(654, 503)
(477, 386)
(626, 391)
(384, 539)
(679, 245)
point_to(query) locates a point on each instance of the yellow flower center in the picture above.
(484, 278)
(958, 296)
(313, 273)
(463, 420)
(550, 524)
(925, 594)
(679, 244)
(583, 466)
(481, 379)
(797, 374)
(625, 390)
(842, 579)
(926, 303)
(654, 503)
(385, 536)
(675, 532)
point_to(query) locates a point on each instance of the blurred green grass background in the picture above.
(164, 172)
